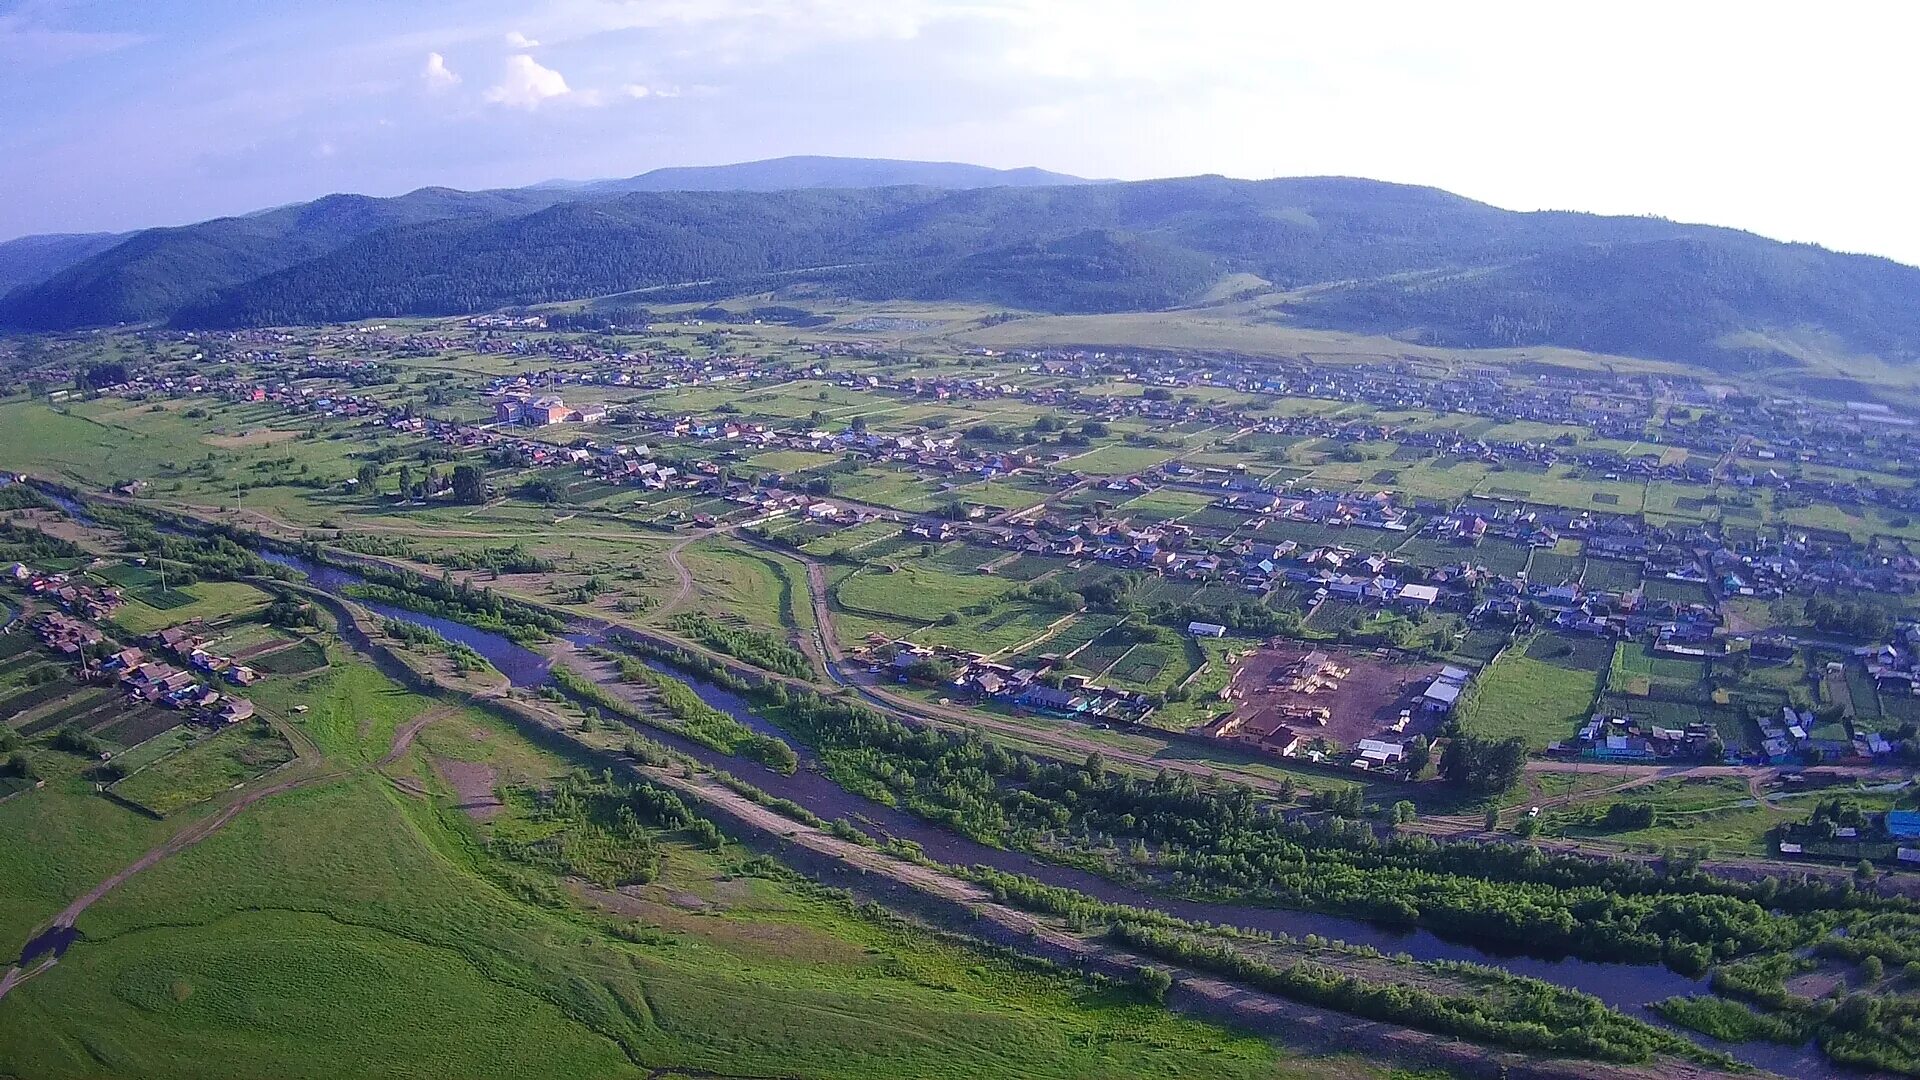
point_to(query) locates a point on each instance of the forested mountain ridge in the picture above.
(150, 274)
(1385, 258)
(153, 273)
(31, 259)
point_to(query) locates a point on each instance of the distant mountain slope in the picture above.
(1086, 248)
(801, 172)
(1665, 297)
(32, 259)
(1383, 258)
(153, 273)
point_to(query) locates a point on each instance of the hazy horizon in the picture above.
(135, 117)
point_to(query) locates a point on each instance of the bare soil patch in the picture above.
(472, 782)
(1815, 984)
(57, 524)
(1361, 691)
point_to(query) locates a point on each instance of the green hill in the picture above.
(1383, 258)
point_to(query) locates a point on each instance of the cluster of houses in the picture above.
(1866, 835)
(1628, 739)
(66, 635)
(1749, 566)
(1786, 738)
(151, 680)
(72, 594)
(148, 679)
(1035, 689)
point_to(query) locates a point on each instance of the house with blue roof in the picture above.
(1903, 824)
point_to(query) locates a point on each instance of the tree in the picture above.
(368, 478)
(1404, 812)
(930, 669)
(1419, 755)
(540, 489)
(469, 484)
(1485, 766)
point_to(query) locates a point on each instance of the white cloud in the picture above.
(518, 40)
(527, 84)
(436, 74)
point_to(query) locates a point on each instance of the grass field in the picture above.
(206, 769)
(918, 593)
(351, 929)
(295, 659)
(1717, 814)
(762, 589)
(1537, 693)
(78, 838)
(207, 600)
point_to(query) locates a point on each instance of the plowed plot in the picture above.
(1362, 703)
(133, 728)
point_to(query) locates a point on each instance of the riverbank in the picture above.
(957, 905)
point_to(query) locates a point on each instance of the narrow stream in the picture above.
(1628, 987)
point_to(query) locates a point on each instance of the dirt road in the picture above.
(684, 591)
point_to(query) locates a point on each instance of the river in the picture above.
(1628, 987)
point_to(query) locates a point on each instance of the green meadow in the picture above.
(354, 928)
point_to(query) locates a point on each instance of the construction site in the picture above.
(1291, 698)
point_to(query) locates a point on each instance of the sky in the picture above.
(1788, 119)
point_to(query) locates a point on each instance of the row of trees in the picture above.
(763, 650)
(1219, 841)
(466, 482)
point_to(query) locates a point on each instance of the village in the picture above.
(1495, 561)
